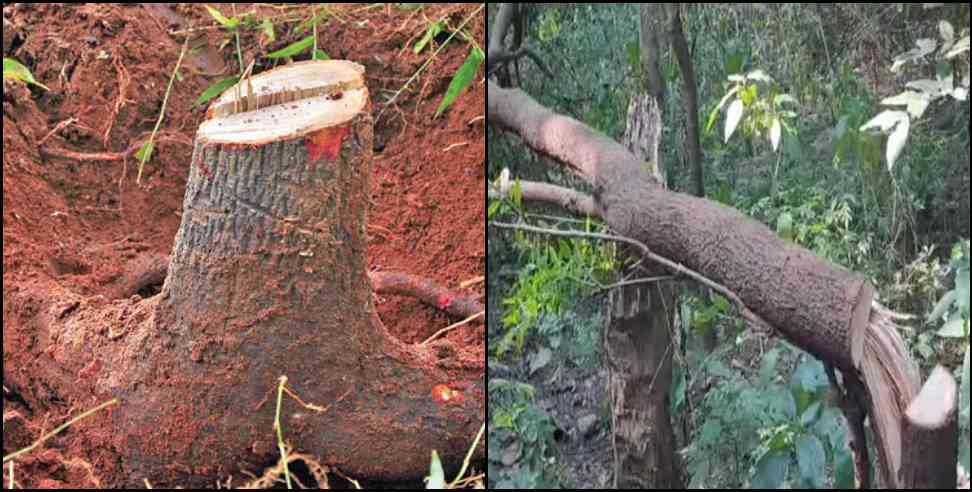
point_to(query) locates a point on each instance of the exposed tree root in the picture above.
(145, 274)
(426, 291)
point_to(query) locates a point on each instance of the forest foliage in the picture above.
(842, 127)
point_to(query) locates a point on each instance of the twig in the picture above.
(648, 280)
(523, 51)
(748, 314)
(123, 82)
(60, 126)
(165, 102)
(279, 429)
(460, 144)
(465, 464)
(453, 327)
(471, 282)
(57, 431)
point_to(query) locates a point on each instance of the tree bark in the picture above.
(690, 88)
(268, 278)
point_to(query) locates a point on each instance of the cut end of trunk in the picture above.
(860, 319)
(287, 102)
(937, 401)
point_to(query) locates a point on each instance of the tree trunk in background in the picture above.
(693, 144)
(639, 342)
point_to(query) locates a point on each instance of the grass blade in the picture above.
(462, 79)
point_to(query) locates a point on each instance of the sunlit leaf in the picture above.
(436, 474)
(775, 131)
(933, 88)
(465, 75)
(916, 102)
(733, 117)
(222, 19)
(293, 49)
(885, 120)
(215, 90)
(947, 32)
(715, 112)
(953, 329)
(785, 98)
(896, 142)
(12, 69)
(319, 54)
(759, 75)
(960, 47)
(942, 307)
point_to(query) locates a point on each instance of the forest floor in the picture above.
(73, 214)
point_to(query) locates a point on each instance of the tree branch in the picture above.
(573, 201)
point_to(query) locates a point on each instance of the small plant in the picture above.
(463, 77)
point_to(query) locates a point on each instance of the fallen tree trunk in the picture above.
(268, 278)
(817, 306)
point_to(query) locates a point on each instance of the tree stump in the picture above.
(268, 278)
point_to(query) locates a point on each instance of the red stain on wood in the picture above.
(326, 143)
(444, 301)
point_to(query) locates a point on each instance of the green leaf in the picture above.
(293, 49)
(436, 474)
(465, 75)
(942, 307)
(784, 226)
(434, 30)
(810, 415)
(962, 288)
(844, 467)
(811, 376)
(223, 21)
(267, 27)
(319, 54)
(954, 329)
(145, 153)
(215, 90)
(711, 433)
(768, 368)
(12, 69)
(771, 471)
(811, 460)
(516, 194)
(493, 208)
